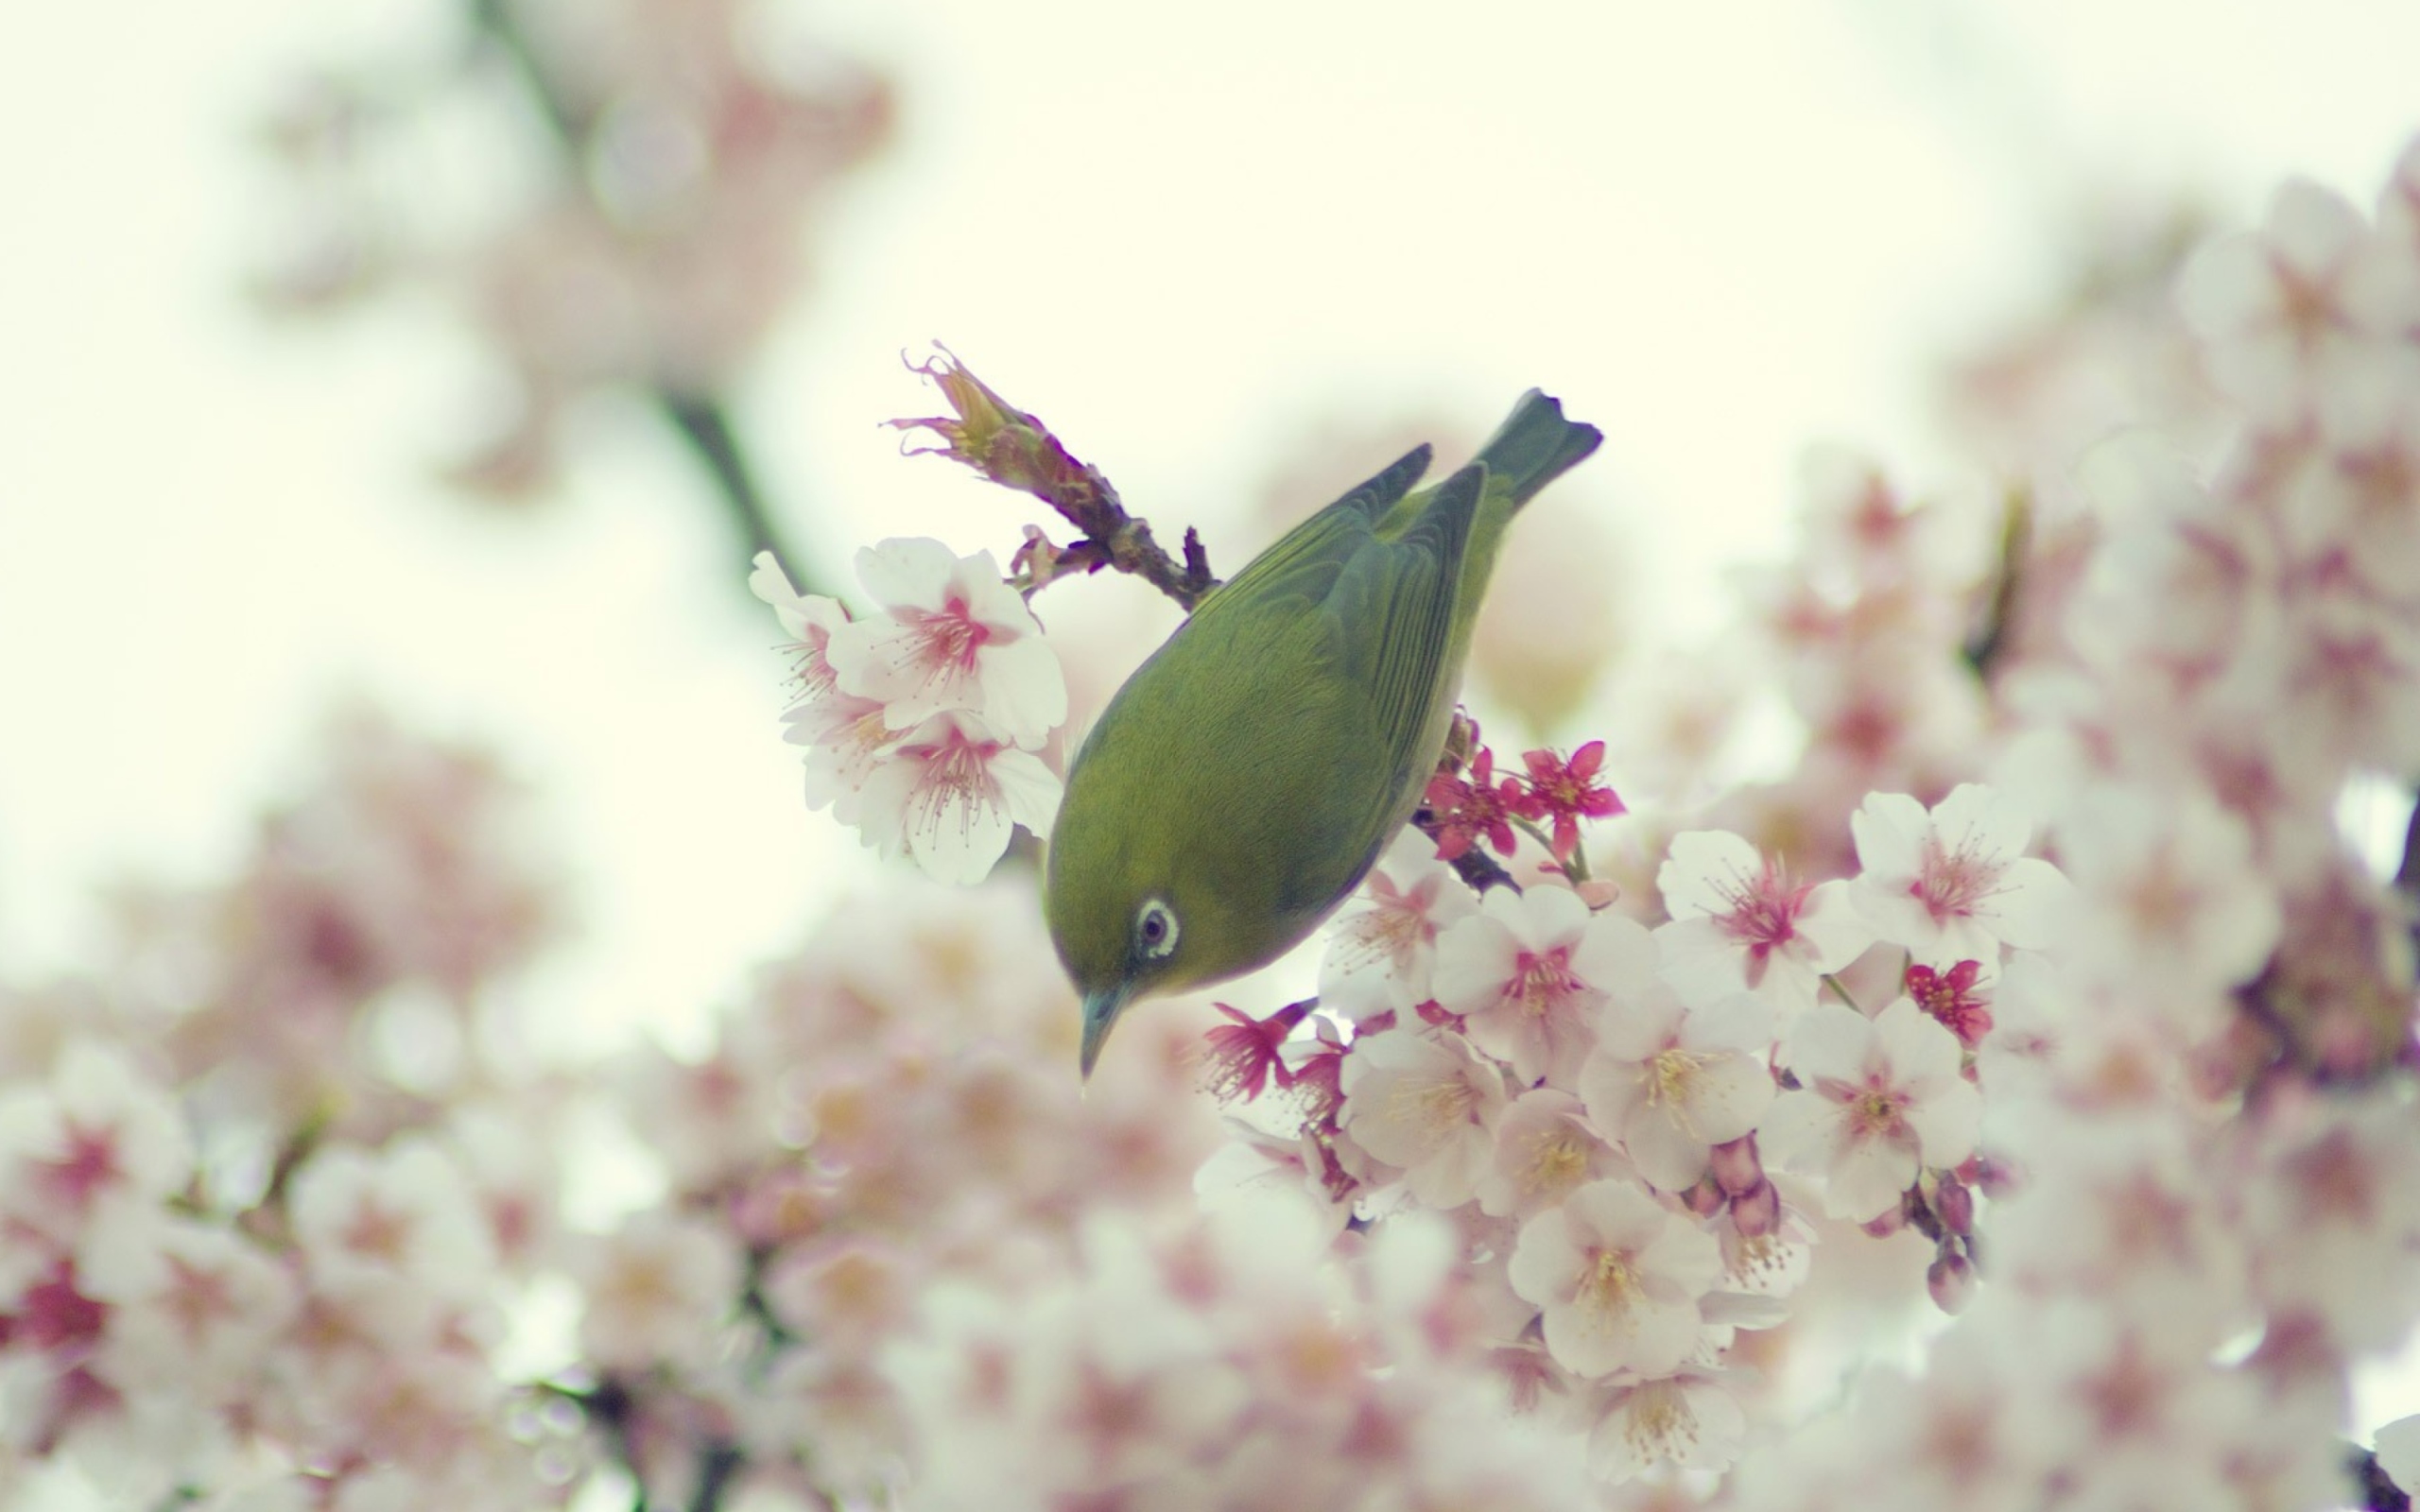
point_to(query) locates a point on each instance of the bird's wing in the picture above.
(1305, 563)
(1392, 610)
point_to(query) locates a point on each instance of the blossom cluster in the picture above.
(255, 1258)
(920, 720)
(652, 241)
(1225, 1363)
(1594, 1102)
(1475, 805)
(2207, 1087)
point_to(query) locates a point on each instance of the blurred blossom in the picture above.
(653, 242)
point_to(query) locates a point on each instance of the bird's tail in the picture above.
(1535, 445)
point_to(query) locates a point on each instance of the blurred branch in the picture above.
(704, 423)
(1990, 639)
(702, 419)
(1016, 451)
(2378, 1491)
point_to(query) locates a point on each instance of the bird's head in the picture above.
(1120, 946)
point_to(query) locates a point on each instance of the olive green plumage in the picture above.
(1245, 777)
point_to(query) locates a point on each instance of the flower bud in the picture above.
(1736, 1166)
(1951, 1281)
(1889, 1221)
(1953, 1202)
(1756, 1211)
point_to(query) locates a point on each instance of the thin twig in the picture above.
(1016, 451)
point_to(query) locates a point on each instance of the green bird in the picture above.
(1244, 779)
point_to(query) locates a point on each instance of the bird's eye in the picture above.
(1155, 930)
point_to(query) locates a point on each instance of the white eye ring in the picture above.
(1155, 930)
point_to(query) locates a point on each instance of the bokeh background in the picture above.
(1204, 249)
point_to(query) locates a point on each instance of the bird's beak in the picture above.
(1101, 1009)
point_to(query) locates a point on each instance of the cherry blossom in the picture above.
(1740, 923)
(1952, 998)
(950, 636)
(2277, 307)
(2169, 889)
(97, 1134)
(1673, 1082)
(1383, 948)
(1530, 972)
(1476, 806)
(950, 794)
(1689, 1421)
(809, 618)
(1879, 1100)
(1545, 1149)
(1567, 792)
(1617, 1277)
(1426, 1103)
(1954, 884)
(657, 1288)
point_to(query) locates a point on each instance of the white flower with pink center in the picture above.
(2172, 895)
(1617, 1276)
(366, 1219)
(950, 794)
(1879, 1099)
(1690, 1420)
(2284, 311)
(809, 618)
(101, 1133)
(1954, 884)
(189, 1304)
(1381, 951)
(951, 636)
(1530, 971)
(1427, 1104)
(1740, 923)
(1545, 1150)
(1673, 1082)
(657, 1289)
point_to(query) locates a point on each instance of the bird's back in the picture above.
(1251, 770)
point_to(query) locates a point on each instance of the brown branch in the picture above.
(1982, 650)
(1016, 451)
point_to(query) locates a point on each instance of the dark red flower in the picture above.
(1950, 997)
(1474, 806)
(1244, 1052)
(1568, 792)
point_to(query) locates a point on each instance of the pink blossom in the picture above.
(1671, 1082)
(1689, 1421)
(1529, 973)
(1545, 1149)
(1740, 923)
(657, 1289)
(1954, 884)
(1618, 1278)
(2169, 891)
(948, 795)
(1424, 1102)
(1567, 792)
(950, 636)
(2275, 306)
(1881, 1099)
(1383, 947)
(809, 619)
(1476, 806)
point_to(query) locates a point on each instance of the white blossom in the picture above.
(1879, 1100)
(1617, 1276)
(1954, 883)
